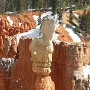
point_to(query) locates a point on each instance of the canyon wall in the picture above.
(67, 58)
(66, 69)
(14, 24)
(22, 77)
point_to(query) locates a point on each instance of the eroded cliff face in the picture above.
(66, 68)
(22, 77)
(2, 81)
(67, 60)
(14, 24)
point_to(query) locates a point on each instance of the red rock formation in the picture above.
(13, 49)
(10, 47)
(44, 83)
(63, 65)
(2, 81)
(6, 29)
(22, 76)
(10, 51)
(66, 59)
(3, 32)
(1, 47)
(63, 35)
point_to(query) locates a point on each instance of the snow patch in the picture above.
(10, 21)
(76, 15)
(4, 59)
(36, 32)
(86, 70)
(36, 19)
(30, 34)
(20, 23)
(6, 63)
(55, 38)
(74, 36)
(78, 73)
(46, 14)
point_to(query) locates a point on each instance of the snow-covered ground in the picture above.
(35, 32)
(10, 21)
(74, 36)
(55, 38)
(83, 72)
(86, 70)
(30, 34)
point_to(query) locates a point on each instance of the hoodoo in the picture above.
(41, 51)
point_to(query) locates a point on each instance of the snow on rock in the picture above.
(10, 21)
(74, 36)
(36, 19)
(30, 34)
(55, 38)
(76, 15)
(35, 32)
(6, 63)
(57, 24)
(7, 59)
(86, 70)
(79, 73)
(4, 59)
(20, 24)
(46, 14)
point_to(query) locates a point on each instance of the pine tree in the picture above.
(54, 5)
(23, 5)
(2, 6)
(46, 4)
(40, 4)
(9, 5)
(85, 23)
(16, 5)
(33, 4)
(37, 4)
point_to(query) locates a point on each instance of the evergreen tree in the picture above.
(9, 5)
(33, 3)
(40, 4)
(2, 6)
(54, 5)
(47, 4)
(37, 4)
(85, 23)
(23, 5)
(29, 4)
(16, 5)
